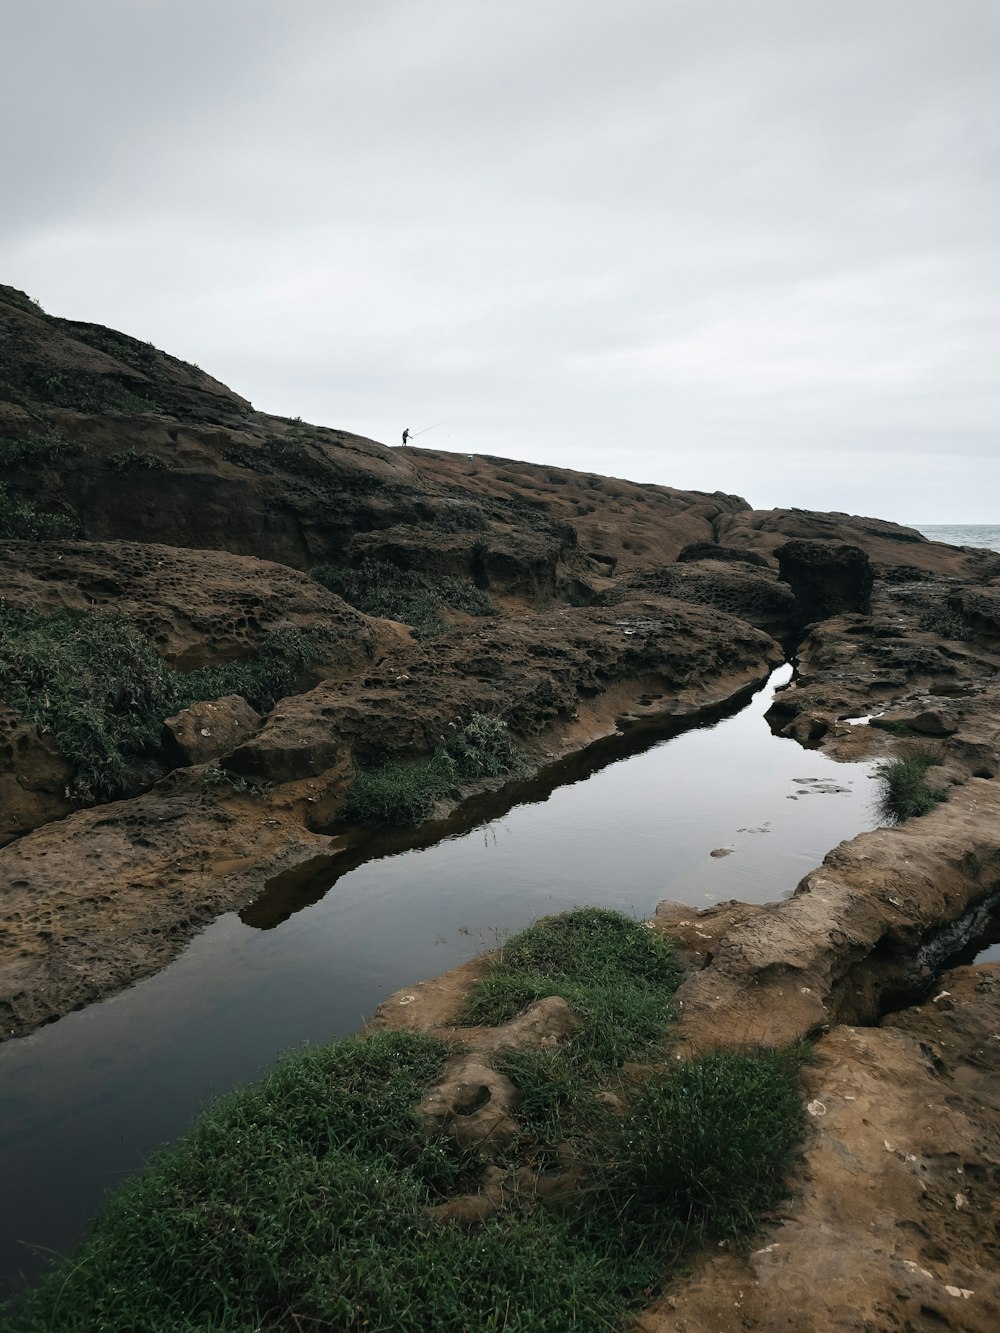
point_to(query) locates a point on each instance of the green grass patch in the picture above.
(131, 460)
(408, 595)
(618, 974)
(270, 674)
(95, 684)
(709, 1141)
(898, 728)
(397, 793)
(91, 681)
(906, 792)
(21, 521)
(302, 1202)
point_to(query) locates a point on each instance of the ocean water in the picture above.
(962, 534)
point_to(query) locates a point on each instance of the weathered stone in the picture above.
(34, 778)
(210, 728)
(827, 580)
(472, 1103)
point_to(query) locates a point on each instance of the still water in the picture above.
(84, 1101)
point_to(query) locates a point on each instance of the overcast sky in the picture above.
(738, 245)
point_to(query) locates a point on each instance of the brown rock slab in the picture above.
(891, 1218)
(34, 778)
(855, 928)
(210, 728)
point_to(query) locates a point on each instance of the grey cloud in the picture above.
(731, 244)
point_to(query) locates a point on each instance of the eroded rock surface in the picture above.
(210, 728)
(891, 1223)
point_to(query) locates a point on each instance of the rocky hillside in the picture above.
(211, 619)
(175, 564)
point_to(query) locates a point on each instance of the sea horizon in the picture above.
(983, 535)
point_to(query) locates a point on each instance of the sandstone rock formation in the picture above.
(169, 501)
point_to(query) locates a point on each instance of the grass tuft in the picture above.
(906, 792)
(709, 1140)
(398, 793)
(617, 974)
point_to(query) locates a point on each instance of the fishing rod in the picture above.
(415, 433)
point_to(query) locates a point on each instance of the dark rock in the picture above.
(826, 580)
(980, 608)
(727, 554)
(752, 594)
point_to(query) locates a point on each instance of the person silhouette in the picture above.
(406, 435)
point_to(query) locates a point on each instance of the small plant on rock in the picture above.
(409, 595)
(398, 793)
(21, 521)
(215, 775)
(34, 447)
(906, 792)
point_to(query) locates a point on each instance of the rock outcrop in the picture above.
(135, 485)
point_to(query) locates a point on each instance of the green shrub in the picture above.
(35, 447)
(415, 598)
(95, 684)
(131, 460)
(483, 748)
(21, 521)
(269, 675)
(397, 793)
(905, 790)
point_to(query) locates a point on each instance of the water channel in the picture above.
(86, 1100)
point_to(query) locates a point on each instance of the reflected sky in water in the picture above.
(84, 1101)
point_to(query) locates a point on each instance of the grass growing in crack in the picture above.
(262, 679)
(415, 598)
(906, 792)
(131, 460)
(94, 683)
(399, 793)
(302, 1202)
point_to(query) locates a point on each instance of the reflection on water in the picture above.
(86, 1100)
